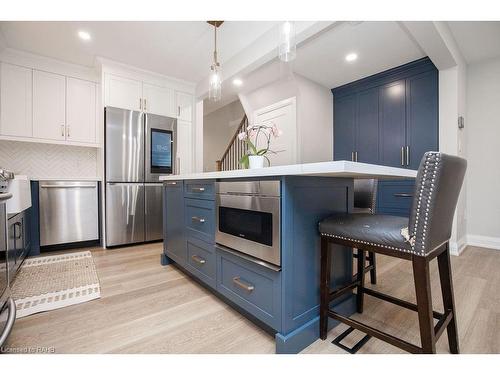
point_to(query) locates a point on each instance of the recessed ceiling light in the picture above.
(350, 57)
(237, 82)
(84, 35)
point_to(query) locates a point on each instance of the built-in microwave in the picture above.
(248, 218)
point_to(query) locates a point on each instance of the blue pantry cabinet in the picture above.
(390, 118)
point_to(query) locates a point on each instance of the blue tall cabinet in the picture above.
(390, 118)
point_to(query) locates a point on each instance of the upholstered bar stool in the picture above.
(419, 239)
(365, 202)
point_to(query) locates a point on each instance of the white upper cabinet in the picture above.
(158, 100)
(49, 106)
(80, 110)
(184, 106)
(123, 92)
(16, 101)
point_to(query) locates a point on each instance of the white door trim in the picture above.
(292, 102)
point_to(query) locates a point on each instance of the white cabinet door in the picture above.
(80, 110)
(158, 100)
(122, 92)
(49, 102)
(16, 101)
(184, 147)
(184, 106)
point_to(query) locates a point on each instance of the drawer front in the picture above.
(200, 219)
(254, 288)
(199, 189)
(395, 197)
(201, 260)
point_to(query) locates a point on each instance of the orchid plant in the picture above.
(253, 132)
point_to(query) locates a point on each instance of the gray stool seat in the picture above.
(368, 229)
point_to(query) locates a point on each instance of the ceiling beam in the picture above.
(262, 51)
(436, 40)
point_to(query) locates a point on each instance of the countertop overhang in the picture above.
(341, 168)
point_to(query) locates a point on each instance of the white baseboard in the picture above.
(483, 241)
(456, 248)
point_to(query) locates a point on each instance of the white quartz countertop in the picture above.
(339, 168)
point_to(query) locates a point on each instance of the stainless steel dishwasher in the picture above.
(69, 212)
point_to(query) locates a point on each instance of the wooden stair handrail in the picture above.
(234, 139)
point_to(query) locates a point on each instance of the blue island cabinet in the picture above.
(283, 300)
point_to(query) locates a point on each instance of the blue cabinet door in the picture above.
(344, 130)
(392, 123)
(174, 243)
(367, 126)
(421, 116)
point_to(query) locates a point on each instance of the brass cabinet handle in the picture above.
(247, 287)
(402, 156)
(403, 195)
(140, 103)
(198, 219)
(408, 155)
(198, 190)
(198, 259)
(145, 104)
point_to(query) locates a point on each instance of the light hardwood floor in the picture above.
(148, 308)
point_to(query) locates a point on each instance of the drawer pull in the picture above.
(171, 183)
(198, 190)
(197, 219)
(246, 287)
(403, 195)
(198, 259)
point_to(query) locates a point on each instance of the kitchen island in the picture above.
(281, 292)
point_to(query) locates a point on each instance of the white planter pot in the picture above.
(256, 161)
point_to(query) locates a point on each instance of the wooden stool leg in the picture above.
(361, 280)
(324, 288)
(446, 280)
(373, 271)
(424, 303)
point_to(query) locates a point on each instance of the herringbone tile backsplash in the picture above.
(38, 160)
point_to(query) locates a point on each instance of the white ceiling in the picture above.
(178, 49)
(379, 46)
(477, 40)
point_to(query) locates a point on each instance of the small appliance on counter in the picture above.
(139, 148)
(7, 305)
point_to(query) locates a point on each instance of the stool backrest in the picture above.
(439, 180)
(365, 194)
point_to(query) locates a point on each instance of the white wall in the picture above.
(314, 105)
(483, 147)
(38, 160)
(218, 128)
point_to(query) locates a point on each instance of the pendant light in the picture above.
(215, 79)
(287, 47)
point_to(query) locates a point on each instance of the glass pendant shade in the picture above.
(287, 48)
(215, 84)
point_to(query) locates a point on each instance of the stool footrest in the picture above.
(356, 347)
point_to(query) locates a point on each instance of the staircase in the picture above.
(235, 150)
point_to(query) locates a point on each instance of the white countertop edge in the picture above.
(339, 168)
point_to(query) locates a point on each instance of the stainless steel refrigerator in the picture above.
(139, 148)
